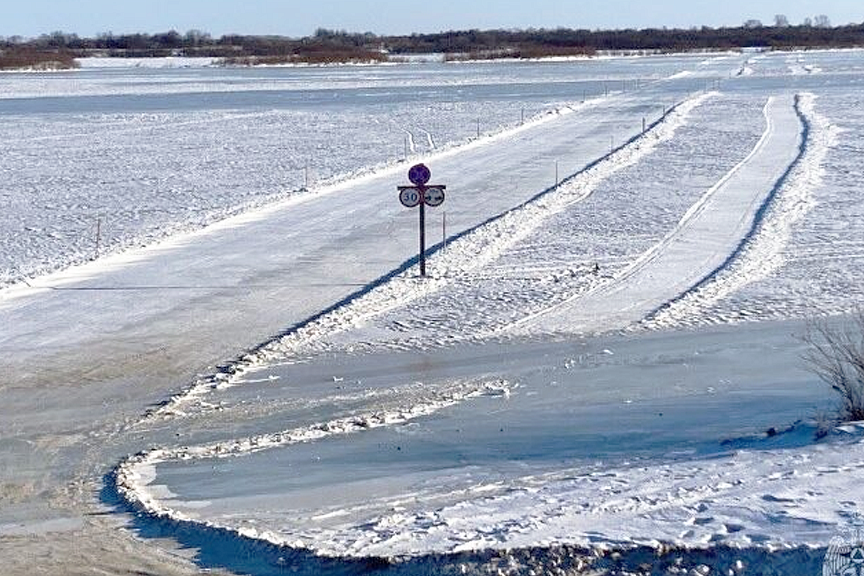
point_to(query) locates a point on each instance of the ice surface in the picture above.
(577, 418)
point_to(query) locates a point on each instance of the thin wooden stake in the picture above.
(98, 235)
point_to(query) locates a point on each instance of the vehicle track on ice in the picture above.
(760, 253)
(704, 241)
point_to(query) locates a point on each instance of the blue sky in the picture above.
(302, 17)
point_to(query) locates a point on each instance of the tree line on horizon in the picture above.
(341, 46)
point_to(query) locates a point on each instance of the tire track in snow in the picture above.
(651, 254)
(698, 246)
(135, 478)
(429, 139)
(409, 141)
(760, 253)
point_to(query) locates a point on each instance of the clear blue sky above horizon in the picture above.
(300, 18)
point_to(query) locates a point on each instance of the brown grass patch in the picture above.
(30, 59)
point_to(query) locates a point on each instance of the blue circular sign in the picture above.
(419, 174)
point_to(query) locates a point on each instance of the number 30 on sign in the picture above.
(410, 197)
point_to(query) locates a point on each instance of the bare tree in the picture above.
(753, 23)
(836, 356)
(822, 21)
(780, 21)
(195, 37)
(808, 22)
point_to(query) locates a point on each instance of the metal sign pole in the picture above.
(422, 235)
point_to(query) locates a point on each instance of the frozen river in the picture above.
(255, 331)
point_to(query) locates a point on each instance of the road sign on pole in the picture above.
(419, 174)
(409, 197)
(433, 196)
(421, 195)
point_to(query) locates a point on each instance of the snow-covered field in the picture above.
(583, 384)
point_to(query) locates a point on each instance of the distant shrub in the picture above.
(27, 58)
(836, 356)
(312, 54)
(520, 53)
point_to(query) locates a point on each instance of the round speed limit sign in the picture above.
(410, 197)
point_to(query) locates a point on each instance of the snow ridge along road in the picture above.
(698, 246)
(133, 478)
(313, 251)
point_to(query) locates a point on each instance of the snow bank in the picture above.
(772, 499)
(151, 63)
